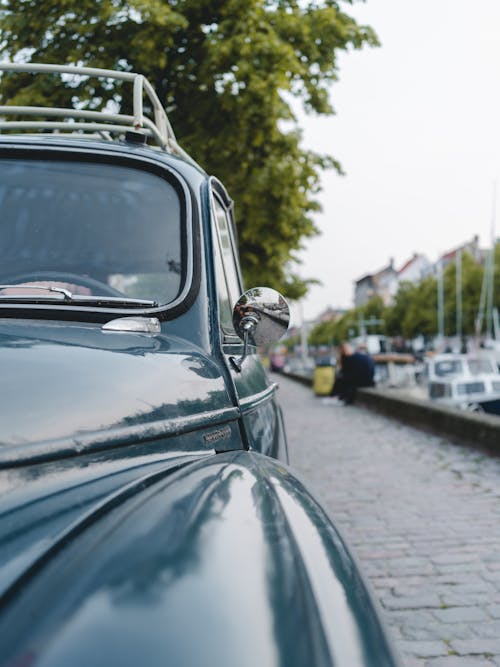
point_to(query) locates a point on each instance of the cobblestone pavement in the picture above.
(422, 516)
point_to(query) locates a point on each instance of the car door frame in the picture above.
(256, 394)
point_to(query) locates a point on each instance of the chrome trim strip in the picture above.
(250, 402)
(111, 438)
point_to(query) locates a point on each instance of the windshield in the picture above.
(448, 367)
(92, 229)
(477, 366)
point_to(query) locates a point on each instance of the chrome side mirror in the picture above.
(260, 317)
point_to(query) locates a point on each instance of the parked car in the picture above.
(148, 515)
(277, 359)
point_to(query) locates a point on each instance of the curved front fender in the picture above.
(226, 562)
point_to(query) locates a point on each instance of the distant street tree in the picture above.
(323, 333)
(226, 71)
(394, 315)
(334, 332)
(421, 317)
(414, 310)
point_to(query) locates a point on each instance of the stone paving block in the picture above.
(461, 615)
(417, 618)
(493, 556)
(375, 554)
(427, 588)
(421, 633)
(413, 602)
(480, 646)
(375, 568)
(386, 582)
(458, 661)
(494, 610)
(412, 661)
(468, 586)
(422, 649)
(437, 631)
(453, 599)
(402, 570)
(454, 558)
(381, 593)
(468, 567)
(486, 630)
(463, 579)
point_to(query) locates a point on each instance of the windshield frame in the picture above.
(189, 235)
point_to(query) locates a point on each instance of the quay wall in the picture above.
(472, 428)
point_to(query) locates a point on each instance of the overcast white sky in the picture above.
(417, 132)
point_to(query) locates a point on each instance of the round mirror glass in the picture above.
(263, 313)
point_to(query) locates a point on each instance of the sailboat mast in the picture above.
(440, 303)
(491, 269)
(458, 280)
(486, 298)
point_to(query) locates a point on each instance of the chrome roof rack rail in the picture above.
(158, 128)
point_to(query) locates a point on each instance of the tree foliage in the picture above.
(333, 332)
(226, 71)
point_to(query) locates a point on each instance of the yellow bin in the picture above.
(323, 379)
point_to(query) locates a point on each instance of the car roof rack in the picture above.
(157, 128)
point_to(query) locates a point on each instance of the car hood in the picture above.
(224, 561)
(78, 385)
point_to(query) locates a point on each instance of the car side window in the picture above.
(228, 281)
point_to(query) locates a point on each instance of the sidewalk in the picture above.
(421, 514)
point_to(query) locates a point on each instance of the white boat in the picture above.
(466, 381)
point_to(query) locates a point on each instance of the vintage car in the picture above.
(148, 515)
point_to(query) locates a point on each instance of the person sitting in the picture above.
(356, 370)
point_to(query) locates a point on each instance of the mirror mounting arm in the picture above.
(247, 326)
(260, 317)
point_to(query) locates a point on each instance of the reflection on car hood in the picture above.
(225, 561)
(70, 382)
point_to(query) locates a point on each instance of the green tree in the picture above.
(374, 309)
(322, 333)
(226, 71)
(344, 327)
(421, 316)
(414, 311)
(334, 332)
(395, 314)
